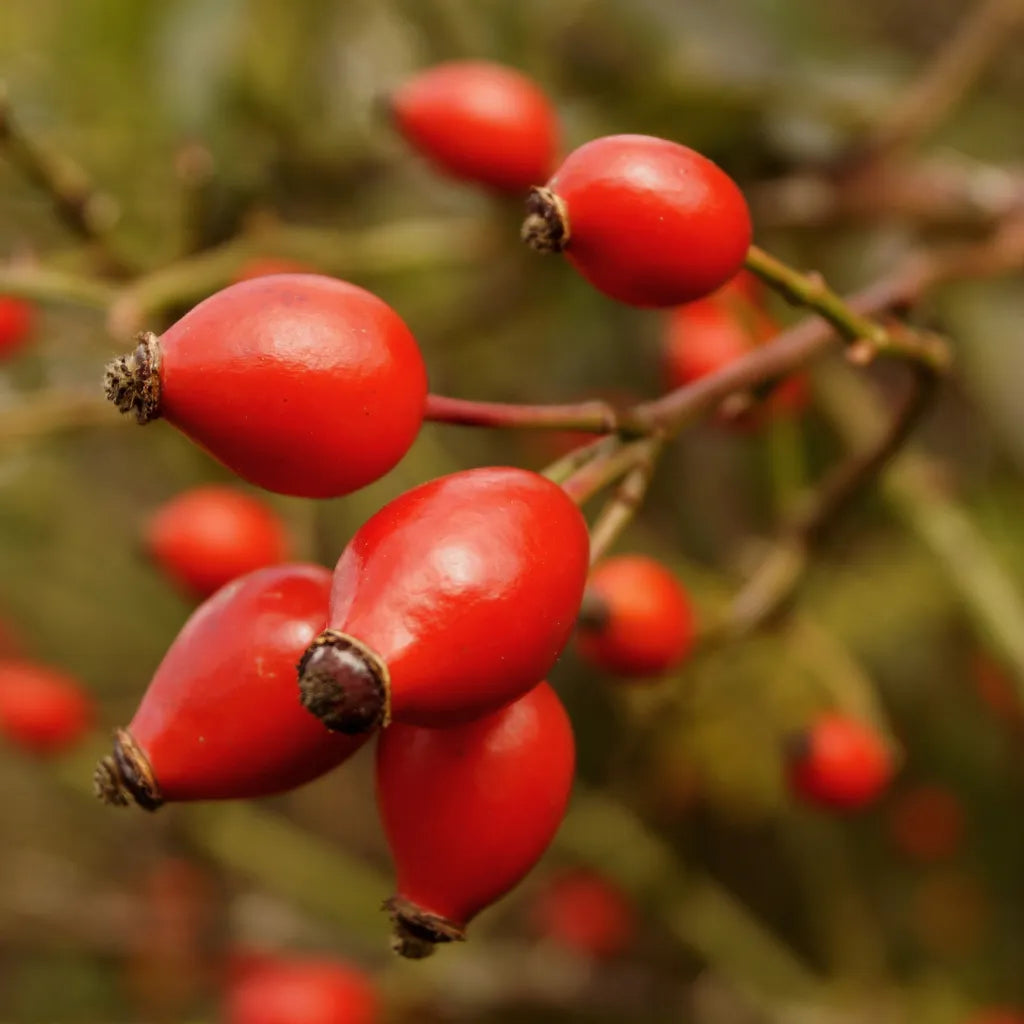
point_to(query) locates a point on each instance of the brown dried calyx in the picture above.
(594, 614)
(345, 684)
(416, 932)
(127, 776)
(546, 227)
(132, 382)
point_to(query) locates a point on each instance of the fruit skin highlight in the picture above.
(450, 602)
(636, 619)
(646, 221)
(207, 536)
(220, 720)
(468, 810)
(480, 122)
(299, 383)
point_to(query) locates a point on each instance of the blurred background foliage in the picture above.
(210, 118)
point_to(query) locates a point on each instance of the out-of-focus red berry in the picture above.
(208, 536)
(637, 620)
(839, 762)
(926, 823)
(705, 336)
(302, 991)
(996, 1015)
(42, 710)
(585, 912)
(995, 688)
(17, 320)
(480, 122)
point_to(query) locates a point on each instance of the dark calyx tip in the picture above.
(416, 933)
(132, 382)
(344, 684)
(797, 746)
(126, 776)
(546, 228)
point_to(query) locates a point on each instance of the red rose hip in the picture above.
(208, 536)
(480, 122)
(220, 719)
(646, 221)
(42, 710)
(636, 619)
(306, 990)
(451, 601)
(299, 383)
(585, 912)
(17, 319)
(468, 810)
(839, 762)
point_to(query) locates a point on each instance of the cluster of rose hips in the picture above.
(449, 607)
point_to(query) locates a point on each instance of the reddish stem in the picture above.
(592, 417)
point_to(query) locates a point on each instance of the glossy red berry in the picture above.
(451, 601)
(704, 336)
(481, 122)
(308, 990)
(42, 710)
(839, 762)
(208, 536)
(926, 823)
(17, 320)
(586, 912)
(220, 719)
(636, 619)
(299, 383)
(646, 221)
(468, 810)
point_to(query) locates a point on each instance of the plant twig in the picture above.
(388, 248)
(986, 28)
(51, 412)
(90, 214)
(915, 489)
(622, 505)
(591, 417)
(810, 290)
(607, 467)
(44, 284)
(773, 584)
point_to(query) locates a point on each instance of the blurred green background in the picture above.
(213, 119)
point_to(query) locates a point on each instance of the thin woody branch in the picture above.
(620, 508)
(87, 212)
(775, 581)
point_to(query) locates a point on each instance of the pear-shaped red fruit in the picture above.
(468, 810)
(299, 383)
(450, 602)
(220, 719)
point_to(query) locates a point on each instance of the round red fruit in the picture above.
(309, 990)
(42, 710)
(451, 601)
(839, 762)
(208, 536)
(17, 319)
(220, 719)
(301, 384)
(480, 122)
(585, 912)
(646, 221)
(468, 810)
(636, 619)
